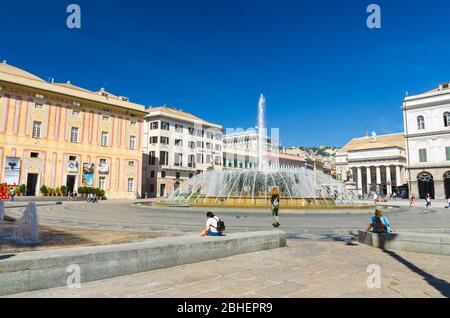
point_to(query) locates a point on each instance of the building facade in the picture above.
(427, 129)
(376, 164)
(241, 152)
(176, 146)
(64, 135)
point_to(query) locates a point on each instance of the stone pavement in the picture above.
(303, 269)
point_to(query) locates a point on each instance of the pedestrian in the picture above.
(412, 200)
(12, 193)
(448, 202)
(69, 196)
(214, 226)
(275, 205)
(379, 223)
(375, 197)
(428, 201)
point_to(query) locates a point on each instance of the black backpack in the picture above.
(379, 226)
(220, 225)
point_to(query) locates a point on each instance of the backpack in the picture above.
(220, 225)
(379, 226)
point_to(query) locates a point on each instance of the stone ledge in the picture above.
(46, 269)
(436, 243)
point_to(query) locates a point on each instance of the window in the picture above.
(200, 144)
(72, 158)
(130, 184)
(447, 119)
(152, 174)
(154, 140)
(103, 161)
(101, 183)
(133, 124)
(165, 126)
(104, 138)
(191, 161)
(423, 155)
(165, 140)
(178, 128)
(208, 146)
(74, 134)
(200, 133)
(447, 153)
(208, 159)
(179, 142)
(34, 155)
(132, 142)
(178, 159)
(163, 174)
(177, 175)
(38, 106)
(191, 131)
(192, 144)
(218, 147)
(75, 112)
(163, 158)
(218, 160)
(37, 129)
(105, 118)
(199, 158)
(151, 158)
(131, 163)
(153, 125)
(420, 123)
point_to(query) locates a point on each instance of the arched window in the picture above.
(421, 122)
(447, 119)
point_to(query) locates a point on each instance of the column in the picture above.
(398, 177)
(378, 187)
(388, 180)
(359, 181)
(369, 179)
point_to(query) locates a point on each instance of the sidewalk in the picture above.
(303, 269)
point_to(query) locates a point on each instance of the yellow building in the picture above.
(61, 134)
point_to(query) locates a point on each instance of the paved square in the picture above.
(303, 269)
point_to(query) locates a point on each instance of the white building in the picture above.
(427, 129)
(176, 146)
(375, 164)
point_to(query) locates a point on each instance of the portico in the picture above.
(376, 164)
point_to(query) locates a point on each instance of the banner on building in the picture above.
(88, 174)
(12, 170)
(103, 168)
(72, 167)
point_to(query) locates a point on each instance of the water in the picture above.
(298, 186)
(27, 227)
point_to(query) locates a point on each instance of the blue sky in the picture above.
(325, 75)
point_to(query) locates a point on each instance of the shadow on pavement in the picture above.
(439, 284)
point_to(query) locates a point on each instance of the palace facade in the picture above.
(59, 134)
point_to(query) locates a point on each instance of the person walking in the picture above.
(275, 205)
(12, 193)
(412, 200)
(428, 201)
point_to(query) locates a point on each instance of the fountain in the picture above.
(27, 227)
(298, 188)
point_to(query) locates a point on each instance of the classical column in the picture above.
(359, 173)
(369, 179)
(378, 172)
(398, 176)
(388, 180)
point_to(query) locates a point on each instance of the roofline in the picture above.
(66, 91)
(162, 113)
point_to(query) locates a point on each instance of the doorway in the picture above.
(447, 184)
(71, 183)
(32, 179)
(162, 189)
(426, 185)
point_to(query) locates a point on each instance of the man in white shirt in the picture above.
(211, 226)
